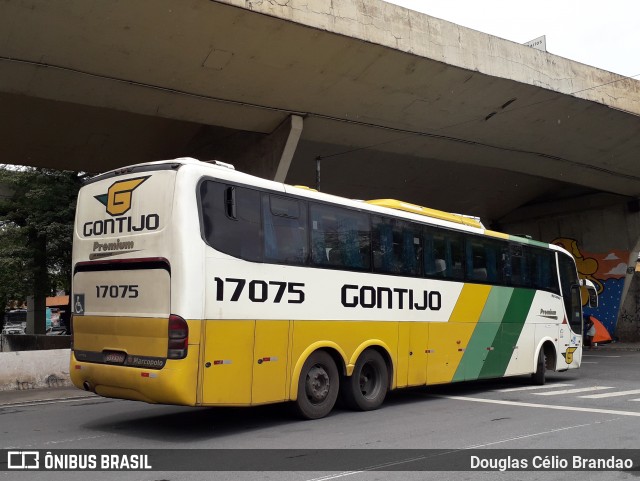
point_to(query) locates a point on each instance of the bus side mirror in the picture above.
(591, 290)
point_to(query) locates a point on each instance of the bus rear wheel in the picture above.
(367, 387)
(318, 386)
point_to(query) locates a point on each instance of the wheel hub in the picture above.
(368, 380)
(317, 385)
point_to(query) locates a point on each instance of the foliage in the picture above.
(37, 208)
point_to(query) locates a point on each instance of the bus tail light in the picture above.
(178, 337)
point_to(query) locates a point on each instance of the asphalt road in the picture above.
(596, 407)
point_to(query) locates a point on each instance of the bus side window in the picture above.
(542, 268)
(476, 260)
(434, 263)
(454, 256)
(443, 254)
(487, 260)
(231, 219)
(397, 247)
(285, 229)
(515, 275)
(339, 237)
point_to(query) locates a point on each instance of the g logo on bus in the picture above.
(568, 356)
(117, 200)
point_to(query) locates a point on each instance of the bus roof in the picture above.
(387, 206)
(427, 212)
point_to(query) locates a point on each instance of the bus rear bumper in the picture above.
(175, 383)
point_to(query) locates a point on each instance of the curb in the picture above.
(16, 398)
(615, 346)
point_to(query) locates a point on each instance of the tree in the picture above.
(37, 208)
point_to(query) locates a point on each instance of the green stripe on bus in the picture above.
(484, 334)
(531, 242)
(498, 359)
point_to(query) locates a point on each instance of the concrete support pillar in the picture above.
(291, 129)
(628, 328)
(266, 155)
(36, 316)
(602, 231)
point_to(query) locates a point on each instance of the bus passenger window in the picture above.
(486, 260)
(542, 269)
(443, 254)
(518, 272)
(231, 219)
(285, 229)
(397, 247)
(339, 237)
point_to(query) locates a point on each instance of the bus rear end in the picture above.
(127, 341)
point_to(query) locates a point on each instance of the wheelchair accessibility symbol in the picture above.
(78, 304)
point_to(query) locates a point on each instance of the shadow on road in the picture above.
(191, 425)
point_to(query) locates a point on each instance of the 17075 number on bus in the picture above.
(122, 291)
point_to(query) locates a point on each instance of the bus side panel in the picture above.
(547, 310)
(270, 362)
(447, 344)
(469, 309)
(228, 362)
(485, 333)
(525, 354)
(349, 335)
(418, 342)
(512, 323)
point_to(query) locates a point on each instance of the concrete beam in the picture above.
(418, 34)
(564, 206)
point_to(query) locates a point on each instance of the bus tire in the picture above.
(538, 377)
(367, 387)
(318, 386)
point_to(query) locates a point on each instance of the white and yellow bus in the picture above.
(195, 284)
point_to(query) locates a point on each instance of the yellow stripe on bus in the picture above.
(449, 340)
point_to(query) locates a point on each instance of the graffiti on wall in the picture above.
(607, 271)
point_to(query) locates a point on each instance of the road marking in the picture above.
(525, 436)
(541, 406)
(344, 474)
(572, 391)
(530, 388)
(611, 394)
(589, 362)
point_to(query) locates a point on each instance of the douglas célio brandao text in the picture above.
(549, 462)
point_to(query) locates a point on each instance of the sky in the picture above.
(603, 34)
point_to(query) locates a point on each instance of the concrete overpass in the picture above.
(397, 103)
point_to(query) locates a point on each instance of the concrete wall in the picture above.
(629, 319)
(33, 342)
(22, 370)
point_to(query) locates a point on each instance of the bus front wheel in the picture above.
(367, 387)
(538, 377)
(318, 386)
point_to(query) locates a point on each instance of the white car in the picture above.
(9, 329)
